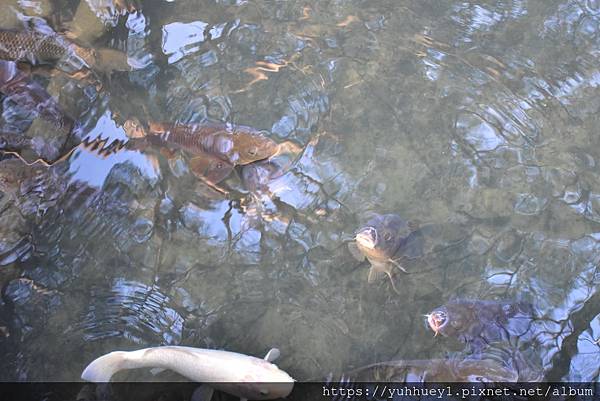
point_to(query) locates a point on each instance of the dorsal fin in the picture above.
(272, 355)
(98, 146)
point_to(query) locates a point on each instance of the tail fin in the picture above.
(103, 368)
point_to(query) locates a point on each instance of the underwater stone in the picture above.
(130, 176)
(285, 126)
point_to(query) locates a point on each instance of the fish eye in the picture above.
(252, 151)
(387, 236)
(219, 165)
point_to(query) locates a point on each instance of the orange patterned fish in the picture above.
(203, 165)
(236, 144)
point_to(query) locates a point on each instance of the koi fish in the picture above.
(241, 375)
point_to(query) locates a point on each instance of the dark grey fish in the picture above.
(479, 323)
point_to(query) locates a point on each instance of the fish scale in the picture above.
(237, 145)
(31, 46)
(183, 138)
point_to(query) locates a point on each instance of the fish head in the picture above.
(455, 319)
(218, 170)
(210, 167)
(250, 145)
(437, 320)
(381, 236)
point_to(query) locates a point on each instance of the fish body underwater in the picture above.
(202, 164)
(235, 144)
(479, 322)
(241, 375)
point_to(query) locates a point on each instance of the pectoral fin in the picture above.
(375, 274)
(272, 355)
(355, 252)
(398, 265)
(378, 271)
(202, 393)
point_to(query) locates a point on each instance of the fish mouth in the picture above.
(367, 237)
(437, 320)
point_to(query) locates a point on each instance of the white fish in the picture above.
(241, 375)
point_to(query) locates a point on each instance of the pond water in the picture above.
(476, 120)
